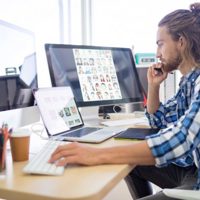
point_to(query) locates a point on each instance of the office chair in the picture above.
(183, 194)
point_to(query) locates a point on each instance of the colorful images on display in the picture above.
(97, 74)
(70, 114)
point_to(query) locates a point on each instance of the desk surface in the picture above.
(78, 182)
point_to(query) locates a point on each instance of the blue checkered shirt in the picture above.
(179, 140)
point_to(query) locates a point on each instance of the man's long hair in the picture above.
(185, 23)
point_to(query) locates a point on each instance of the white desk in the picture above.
(77, 183)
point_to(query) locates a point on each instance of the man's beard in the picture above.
(172, 65)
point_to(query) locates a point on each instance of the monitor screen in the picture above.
(97, 75)
(18, 76)
(17, 88)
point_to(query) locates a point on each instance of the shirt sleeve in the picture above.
(165, 116)
(178, 140)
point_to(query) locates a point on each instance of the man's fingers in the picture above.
(67, 160)
(63, 151)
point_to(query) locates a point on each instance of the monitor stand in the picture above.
(104, 111)
(90, 115)
(132, 107)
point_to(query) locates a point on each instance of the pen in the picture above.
(1, 140)
(4, 138)
(5, 132)
(1, 135)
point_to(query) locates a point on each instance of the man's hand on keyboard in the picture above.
(75, 153)
(78, 153)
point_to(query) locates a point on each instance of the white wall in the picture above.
(40, 17)
(114, 23)
(130, 22)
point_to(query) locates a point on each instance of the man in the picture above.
(170, 158)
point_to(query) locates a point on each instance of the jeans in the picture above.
(172, 176)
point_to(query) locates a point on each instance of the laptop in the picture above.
(63, 120)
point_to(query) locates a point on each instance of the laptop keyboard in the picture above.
(94, 135)
(105, 133)
(81, 132)
(39, 164)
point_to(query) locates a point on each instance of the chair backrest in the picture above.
(10, 70)
(182, 194)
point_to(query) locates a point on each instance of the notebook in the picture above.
(136, 133)
(63, 120)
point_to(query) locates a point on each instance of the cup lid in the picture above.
(21, 132)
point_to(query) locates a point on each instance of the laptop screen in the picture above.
(58, 109)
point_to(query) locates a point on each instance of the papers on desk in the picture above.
(125, 122)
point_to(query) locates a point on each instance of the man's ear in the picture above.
(182, 42)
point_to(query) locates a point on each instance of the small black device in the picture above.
(137, 133)
(159, 70)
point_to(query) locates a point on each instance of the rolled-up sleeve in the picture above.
(166, 114)
(177, 141)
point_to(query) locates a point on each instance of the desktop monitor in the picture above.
(98, 76)
(17, 104)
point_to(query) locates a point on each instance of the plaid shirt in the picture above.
(179, 140)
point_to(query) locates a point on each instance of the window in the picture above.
(130, 23)
(39, 17)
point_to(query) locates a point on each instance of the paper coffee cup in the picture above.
(19, 144)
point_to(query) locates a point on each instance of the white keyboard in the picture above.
(124, 122)
(39, 164)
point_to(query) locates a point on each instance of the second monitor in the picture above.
(98, 76)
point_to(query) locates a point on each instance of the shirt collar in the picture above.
(189, 77)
